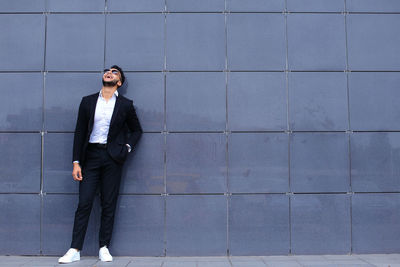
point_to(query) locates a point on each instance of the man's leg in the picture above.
(87, 192)
(109, 189)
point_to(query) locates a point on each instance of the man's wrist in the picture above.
(75, 161)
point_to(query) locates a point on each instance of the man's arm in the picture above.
(134, 126)
(80, 132)
(79, 139)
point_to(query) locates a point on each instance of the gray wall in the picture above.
(271, 127)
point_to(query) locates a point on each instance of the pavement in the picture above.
(372, 260)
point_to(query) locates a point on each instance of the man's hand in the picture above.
(77, 172)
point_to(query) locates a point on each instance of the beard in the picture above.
(110, 83)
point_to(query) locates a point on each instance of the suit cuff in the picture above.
(129, 148)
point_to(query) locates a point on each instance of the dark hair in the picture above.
(121, 72)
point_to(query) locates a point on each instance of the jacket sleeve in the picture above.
(134, 126)
(80, 131)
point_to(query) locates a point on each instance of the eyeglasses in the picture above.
(113, 71)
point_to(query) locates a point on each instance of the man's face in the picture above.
(112, 77)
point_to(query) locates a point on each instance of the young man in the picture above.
(107, 129)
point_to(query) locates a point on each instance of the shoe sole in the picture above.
(67, 262)
(105, 260)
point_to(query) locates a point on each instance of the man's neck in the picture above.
(107, 92)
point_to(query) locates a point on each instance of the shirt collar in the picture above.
(115, 93)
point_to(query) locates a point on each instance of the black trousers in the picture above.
(100, 170)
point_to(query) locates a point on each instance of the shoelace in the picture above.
(105, 251)
(70, 252)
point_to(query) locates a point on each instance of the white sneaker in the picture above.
(71, 256)
(104, 254)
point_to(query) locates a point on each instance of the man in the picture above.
(102, 142)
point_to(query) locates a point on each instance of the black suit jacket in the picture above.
(124, 128)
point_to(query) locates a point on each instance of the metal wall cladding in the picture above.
(270, 127)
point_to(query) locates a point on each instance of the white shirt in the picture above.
(102, 118)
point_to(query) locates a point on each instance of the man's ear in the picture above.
(119, 83)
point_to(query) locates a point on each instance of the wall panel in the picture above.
(270, 127)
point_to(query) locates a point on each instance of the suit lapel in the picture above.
(115, 112)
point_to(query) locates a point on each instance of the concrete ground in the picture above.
(379, 260)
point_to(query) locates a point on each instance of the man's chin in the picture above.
(109, 84)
